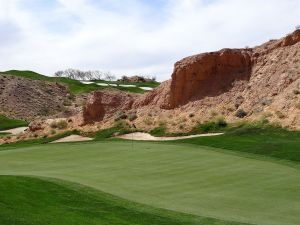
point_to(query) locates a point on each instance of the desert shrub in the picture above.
(213, 113)
(67, 103)
(44, 111)
(238, 101)
(119, 127)
(240, 113)
(191, 115)
(280, 115)
(72, 97)
(132, 116)
(266, 101)
(267, 114)
(212, 126)
(148, 121)
(62, 124)
(120, 116)
(297, 105)
(296, 92)
(159, 131)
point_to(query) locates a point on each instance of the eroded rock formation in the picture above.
(263, 81)
(102, 104)
(208, 74)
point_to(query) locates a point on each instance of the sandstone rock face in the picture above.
(159, 97)
(208, 74)
(291, 39)
(103, 104)
(263, 81)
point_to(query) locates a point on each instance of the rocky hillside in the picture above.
(24, 98)
(254, 83)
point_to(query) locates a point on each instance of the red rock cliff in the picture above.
(208, 74)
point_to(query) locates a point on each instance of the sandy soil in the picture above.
(148, 137)
(15, 131)
(73, 138)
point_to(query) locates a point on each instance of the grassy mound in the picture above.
(76, 86)
(7, 123)
(31, 201)
(261, 140)
(4, 134)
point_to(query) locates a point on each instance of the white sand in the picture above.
(139, 136)
(127, 85)
(72, 138)
(15, 131)
(86, 82)
(102, 84)
(147, 88)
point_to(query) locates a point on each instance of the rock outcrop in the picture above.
(208, 74)
(135, 79)
(262, 82)
(159, 97)
(103, 104)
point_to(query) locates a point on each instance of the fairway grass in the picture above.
(185, 178)
(7, 123)
(32, 201)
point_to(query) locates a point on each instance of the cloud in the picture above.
(131, 36)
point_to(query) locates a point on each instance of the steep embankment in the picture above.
(254, 83)
(24, 98)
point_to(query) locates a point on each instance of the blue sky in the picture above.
(133, 36)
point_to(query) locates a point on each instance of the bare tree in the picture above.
(97, 75)
(59, 73)
(85, 75)
(109, 76)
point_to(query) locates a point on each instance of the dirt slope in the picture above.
(24, 98)
(262, 82)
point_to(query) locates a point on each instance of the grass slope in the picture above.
(271, 142)
(186, 178)
(31, 201)
(76, 86)
(7, 123)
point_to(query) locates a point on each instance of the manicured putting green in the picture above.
(184, 178)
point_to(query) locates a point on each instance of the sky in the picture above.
(130, 37)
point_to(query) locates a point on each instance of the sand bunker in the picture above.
(72, 138)
(139, 136)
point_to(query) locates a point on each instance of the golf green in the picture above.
(185, 178)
